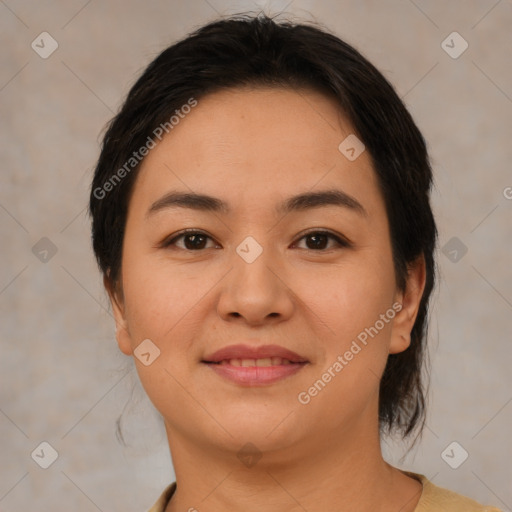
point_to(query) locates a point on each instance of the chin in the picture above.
(266, 433)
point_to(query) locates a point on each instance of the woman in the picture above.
(276, 361)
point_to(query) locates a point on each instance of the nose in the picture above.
(256, 293)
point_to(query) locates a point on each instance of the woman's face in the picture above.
(257, 272)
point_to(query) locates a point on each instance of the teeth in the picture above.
(268, 361)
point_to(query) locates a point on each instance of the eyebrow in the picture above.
(300, 202)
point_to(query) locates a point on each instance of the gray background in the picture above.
(64, 381)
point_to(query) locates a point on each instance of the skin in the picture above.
(253, 148)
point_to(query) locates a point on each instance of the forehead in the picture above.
(256, 143)
(257, 119)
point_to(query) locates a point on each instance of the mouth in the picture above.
(249, 363)
(255, 366)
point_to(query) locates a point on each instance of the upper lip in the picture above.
(248, 352)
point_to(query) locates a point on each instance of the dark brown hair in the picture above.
(246, 50)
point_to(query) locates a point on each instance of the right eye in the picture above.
(193, 240)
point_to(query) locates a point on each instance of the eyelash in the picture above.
(341, 241)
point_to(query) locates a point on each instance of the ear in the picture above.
(117, 301)
(410, 299)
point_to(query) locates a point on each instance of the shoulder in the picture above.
(164, 498)
(434, 498)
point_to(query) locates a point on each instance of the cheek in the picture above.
(160, 300)
(158, 295)
(351, 303)
(351, 297)
(355, 350)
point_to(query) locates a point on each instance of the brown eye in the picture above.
(192, 241)
(319, 240)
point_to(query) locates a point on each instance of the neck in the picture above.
(337, 472)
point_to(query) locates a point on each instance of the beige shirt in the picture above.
(432, 499)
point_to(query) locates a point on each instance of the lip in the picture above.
(248, 352)
(254, 375)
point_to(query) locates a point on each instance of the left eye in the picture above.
(321, 238)
(197, 240)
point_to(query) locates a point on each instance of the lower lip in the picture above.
(255, 375)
